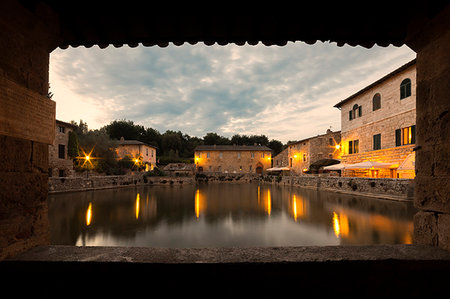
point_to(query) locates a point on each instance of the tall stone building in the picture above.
(303, 153)
(232, 158)
(59, 162)
(378, 123)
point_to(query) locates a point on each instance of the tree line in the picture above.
(171, 145)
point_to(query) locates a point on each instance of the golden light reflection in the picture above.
(138, 199)
(269, 203)
(340, 225)
(200, 203)
(298, 208)
(259, 195)
(89, 215)
(336, 226)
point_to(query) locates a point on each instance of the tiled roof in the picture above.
(232, 148)
(133, 142)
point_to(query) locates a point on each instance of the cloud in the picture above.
(286, 93)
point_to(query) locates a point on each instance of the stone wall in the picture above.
(55, 163)
(26, 40)
(397, 189)
(70, 184)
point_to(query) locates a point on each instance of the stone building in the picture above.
(137, 150)
(59, 162)
(282, 159)
(378, 123)
(303, 153)
(232, 158)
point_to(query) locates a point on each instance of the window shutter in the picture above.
(350, 115)
(360, 111)
(398, 137)
(350, 147)
(356, 145)
(413, 134)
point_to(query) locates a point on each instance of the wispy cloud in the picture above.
(286, 92)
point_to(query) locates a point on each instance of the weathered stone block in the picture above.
(443, 227)
(425, 228)
(15, 154)
(40, 157)
(431, 193)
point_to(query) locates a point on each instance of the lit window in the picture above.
(353, 146)
(405, 88)
(405, 136)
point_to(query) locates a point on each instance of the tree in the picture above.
(124, 128)
(171, 143)
(276, 146)
(72, 146)
(214, 138)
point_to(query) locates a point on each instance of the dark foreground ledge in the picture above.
(363, 271)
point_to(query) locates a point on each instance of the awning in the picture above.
(277, 168)
(368, 164)
(409, 163)
(339, 166)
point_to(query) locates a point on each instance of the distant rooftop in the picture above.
(133, 142)
(232, 148)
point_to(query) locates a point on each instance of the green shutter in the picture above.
(350, 115)
(360, 111)
(356, 145)
(398, 137)
(350, 147)
(413, 134)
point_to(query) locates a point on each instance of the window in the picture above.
(220, 155)
(262, 155)
(207, 155)
(353, 146)
(61, 129)
(240, 168)
(331, 142)
(405, 136)
(146, 151)
(376, 101)
(61, 151)
(253, 155)
(61, 173)
(356, 111)
(250, 168)
(304, 157)
(376, 142)
(239, 155)
(405, 88)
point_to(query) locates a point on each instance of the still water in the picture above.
(225, 215)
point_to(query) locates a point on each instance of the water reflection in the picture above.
(225, 215)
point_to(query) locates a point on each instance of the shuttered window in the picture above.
(405, 136)
(376, 142)
(376, 102)
(405, 88)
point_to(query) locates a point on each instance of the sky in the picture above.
(286, 93)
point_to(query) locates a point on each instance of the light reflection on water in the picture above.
(225, 215)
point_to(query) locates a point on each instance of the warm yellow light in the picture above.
(89, 215)
(336, 226)
(136, 161)
(305, 169)
(337, 146)
(196, 158)
(87, 158)
(295, 156)
(269, 203)
(138, 200)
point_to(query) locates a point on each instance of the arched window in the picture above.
(405, 88)
(356, 111)
(376, 101)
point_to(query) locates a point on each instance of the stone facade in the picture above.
(382, 131)
(136, 149)
(59, 162)
(282, 159)
(232, 158)
(305, 152)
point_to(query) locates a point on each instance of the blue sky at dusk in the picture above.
(286, 93)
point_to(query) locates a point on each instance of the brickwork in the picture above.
(237, 160)
(24, 56)
(59, 162)
(305, 152)
(282, 159)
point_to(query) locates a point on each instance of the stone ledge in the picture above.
(360, 271)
